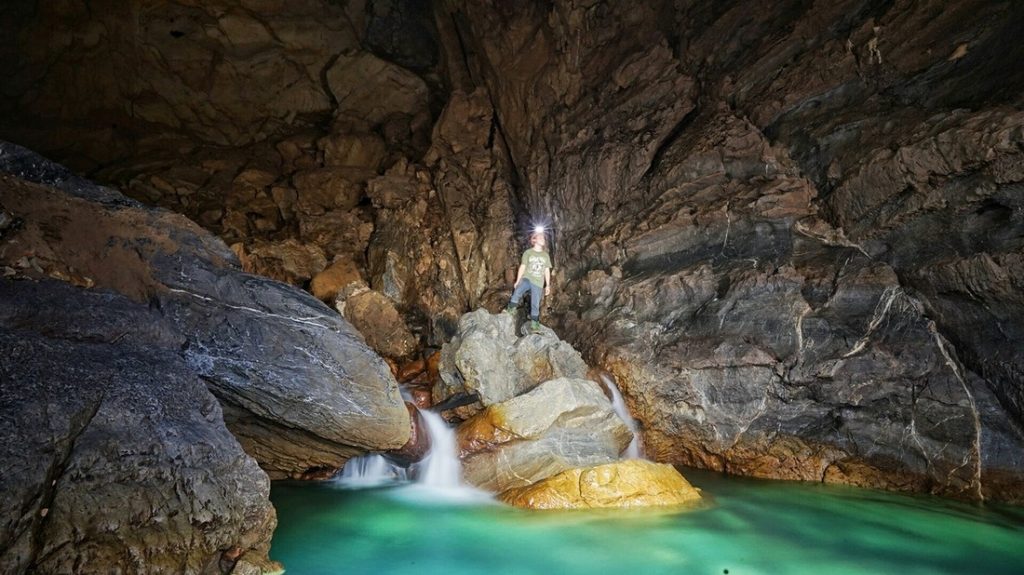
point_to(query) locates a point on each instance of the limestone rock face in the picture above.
(778, 347)
(289, 371)
(562, 423)
(225, 73)
(411, 258)
(796, 248)
(632, 483)
(102, 419)
(473, 178)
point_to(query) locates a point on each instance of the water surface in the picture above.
(750, 528)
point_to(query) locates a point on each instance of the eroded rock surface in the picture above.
(486, 362)
(562, 423)
(532, 412)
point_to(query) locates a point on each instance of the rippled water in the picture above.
(750, 528)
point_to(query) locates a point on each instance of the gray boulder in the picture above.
(487, 362)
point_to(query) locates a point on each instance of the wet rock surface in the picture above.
(526, 423)
(300, 387)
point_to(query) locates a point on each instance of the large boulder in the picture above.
(488, 362)
(373, 90)
(478, 361)
(292, 373)
(632, 483)
(116, 456)
(377, 318)
(561, 424)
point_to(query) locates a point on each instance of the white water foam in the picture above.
(635, 450)
(370, 470)
(437, 479)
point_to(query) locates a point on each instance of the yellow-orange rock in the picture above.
(326, 284)
(631, 483)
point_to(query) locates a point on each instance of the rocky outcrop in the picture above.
(632, 483)
(299, 386)
(529, 411)
(116, 457)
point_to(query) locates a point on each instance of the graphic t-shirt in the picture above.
(536, 264)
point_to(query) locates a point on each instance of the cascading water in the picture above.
(635, 449)
(441, 467)
(440, 470)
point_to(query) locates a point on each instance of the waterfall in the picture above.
(635, 449)
(370, 470)
(441, 467)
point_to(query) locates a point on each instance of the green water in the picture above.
(750, 528)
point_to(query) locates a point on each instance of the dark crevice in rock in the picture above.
(53, 478)
(673, 135)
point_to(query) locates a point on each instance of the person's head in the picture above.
(538, 240)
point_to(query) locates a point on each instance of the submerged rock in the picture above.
(632, 483)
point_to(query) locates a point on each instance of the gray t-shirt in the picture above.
(536, 264)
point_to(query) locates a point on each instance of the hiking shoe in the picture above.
(534, 326)
(509, 310)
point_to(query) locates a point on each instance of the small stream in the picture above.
(751, 527)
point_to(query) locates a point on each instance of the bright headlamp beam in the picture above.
(538, 229)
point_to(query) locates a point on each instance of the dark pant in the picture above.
(536, 293)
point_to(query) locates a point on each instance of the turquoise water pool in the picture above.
(749, 528)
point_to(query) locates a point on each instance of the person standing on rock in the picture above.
(534, 276)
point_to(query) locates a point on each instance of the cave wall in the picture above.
(793, 230)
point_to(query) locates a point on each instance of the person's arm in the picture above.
(519, 276)
(547, 281)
